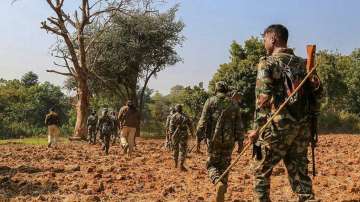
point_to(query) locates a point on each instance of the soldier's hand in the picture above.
(253, 136)
(240, 148)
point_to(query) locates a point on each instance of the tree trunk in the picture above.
(147, 79)
(82, 107)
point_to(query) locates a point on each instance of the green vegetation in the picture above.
(36, 140)
(24, 104)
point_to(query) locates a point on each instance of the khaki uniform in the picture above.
(129, 119)
(52, 122)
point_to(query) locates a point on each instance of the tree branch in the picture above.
(61, 73)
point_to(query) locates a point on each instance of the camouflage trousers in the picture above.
(180, 147)
(291, 146)
(106, 142)
(216, 165)
(92, 135)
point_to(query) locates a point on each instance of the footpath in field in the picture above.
(80, 172)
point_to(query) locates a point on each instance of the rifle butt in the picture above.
(310, 50)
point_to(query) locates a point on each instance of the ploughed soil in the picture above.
(78, 171)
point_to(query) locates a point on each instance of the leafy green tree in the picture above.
(133, 50)
(240, 73)
(23, 108)
(30, 79)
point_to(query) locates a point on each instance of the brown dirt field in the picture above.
(80, 172)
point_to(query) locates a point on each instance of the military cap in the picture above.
(178, 108)
(221, 87)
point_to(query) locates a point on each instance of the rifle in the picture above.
(192, 148)
(311, 52)
(313, 123)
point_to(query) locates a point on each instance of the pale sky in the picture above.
(211, 25)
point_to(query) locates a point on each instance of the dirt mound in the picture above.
(81, 172)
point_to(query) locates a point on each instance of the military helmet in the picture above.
(178, 108)
(221, 87)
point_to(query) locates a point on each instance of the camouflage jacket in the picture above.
(105, 124)
(228, 128)
(167, 123)
(92, 121)
(270, 91)
(181, 121)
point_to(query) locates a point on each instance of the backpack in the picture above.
(293, 73)
(221, 137)
(106, 127)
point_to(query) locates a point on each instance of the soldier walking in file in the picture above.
(288, 137)
(129, 119)
(91, 126)
(168, 142)
(106, 127)
(52, 122)
(116, 126)
(180, 126)
(221, 120)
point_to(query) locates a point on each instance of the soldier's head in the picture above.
(178, 108)
(221, 87)
(172, 110)
(93, 112)
(130, 103)
(236, 96)
(275, 36)
(105, 111)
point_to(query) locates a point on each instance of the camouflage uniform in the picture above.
(179, 124)
(91, 126)
(106, 127)
(168, 143)
(288, 137)
(116, 125)
(221, 120)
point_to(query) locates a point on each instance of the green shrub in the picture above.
(339, 122)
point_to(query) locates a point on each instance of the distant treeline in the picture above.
(24, 103)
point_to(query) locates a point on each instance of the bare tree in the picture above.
(72, 31)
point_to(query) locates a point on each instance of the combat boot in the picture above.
(182, 168)
(220, 192)
(307, 198)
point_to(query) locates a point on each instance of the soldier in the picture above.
(91, 126)
(105, 126)
(179, 126)
(52, 122)
(221, 120)
(116, 126)
(168, 143)
(288, 138)
(129, 119)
